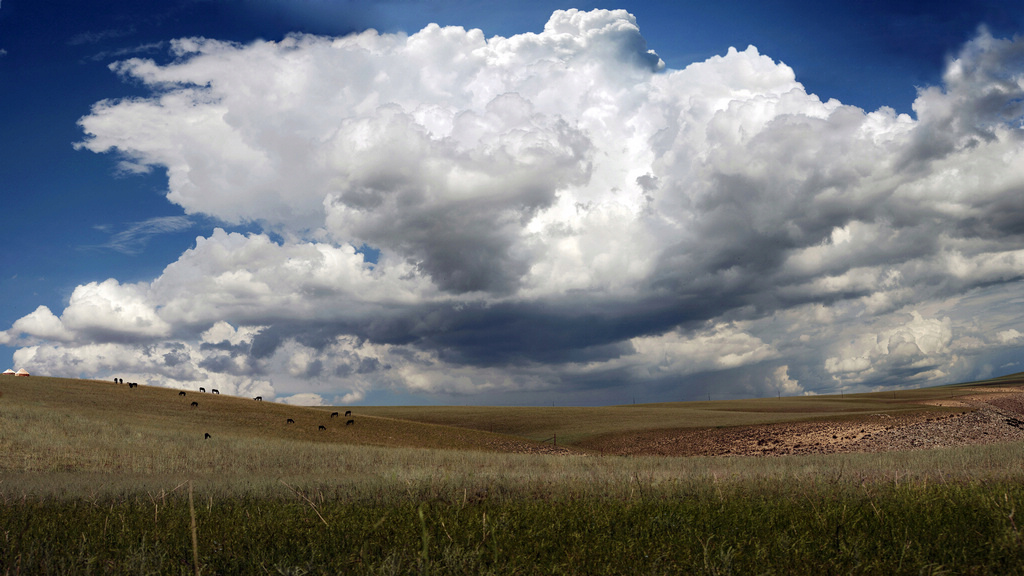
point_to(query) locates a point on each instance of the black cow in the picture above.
(202, 389)
(215, 391)
(259, 398)
(322, 427)
(195, 404)
(289, 421)
(334, 414)
(182, 393)
(350, 422)
(207, 436)
(348, 412)
(134, 384)
(130, 385)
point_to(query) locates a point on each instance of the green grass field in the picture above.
(94, 479)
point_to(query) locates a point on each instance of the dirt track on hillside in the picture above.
(997, 415)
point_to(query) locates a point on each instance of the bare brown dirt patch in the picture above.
(995, 415)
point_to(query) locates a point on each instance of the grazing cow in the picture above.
(215, 391)
(259, 398)
(195, 404)
(201, 389)
(182, 393)
(348, 412)
(134, 384)
(130, 385)
(207, 437)
(350, 422)
(334, 414)
(289, 421)
(322, 427)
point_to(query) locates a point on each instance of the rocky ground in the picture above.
(995, 416)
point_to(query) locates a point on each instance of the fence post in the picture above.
(195, 540)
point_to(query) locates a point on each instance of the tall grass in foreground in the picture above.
(737, 529)
(256, 468)
(84, 492)
(292, 508)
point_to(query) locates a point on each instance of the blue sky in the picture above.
(746, 240)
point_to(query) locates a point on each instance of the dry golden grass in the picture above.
(150, 413)
(578, 425)
(75, 437)
(146, 414)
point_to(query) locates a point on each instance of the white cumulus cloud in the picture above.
(444, 212)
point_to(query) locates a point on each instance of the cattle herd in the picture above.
(206, 436)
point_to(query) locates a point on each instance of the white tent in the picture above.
(8, 372)
(21, 372)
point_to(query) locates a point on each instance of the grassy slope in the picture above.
(162, 412)
(577, 425)
(75, 437)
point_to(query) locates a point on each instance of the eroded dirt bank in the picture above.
(996, 415)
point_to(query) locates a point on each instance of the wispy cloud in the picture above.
(85, 38)
(149, 48)
(134, 239)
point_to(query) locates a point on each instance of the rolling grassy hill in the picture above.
(162, 412)
(99, 407)
(578, 425)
